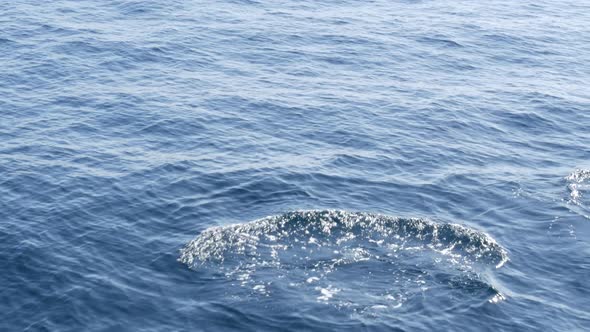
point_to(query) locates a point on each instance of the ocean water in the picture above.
(287, 165)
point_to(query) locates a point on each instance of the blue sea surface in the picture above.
(327, 165)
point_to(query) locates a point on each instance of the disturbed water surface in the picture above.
(294, 165)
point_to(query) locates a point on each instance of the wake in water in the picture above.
(357, 260)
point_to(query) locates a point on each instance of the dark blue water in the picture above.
(443, 146)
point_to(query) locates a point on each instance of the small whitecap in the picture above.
(312, 279)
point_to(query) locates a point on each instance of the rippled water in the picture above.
(294, 165)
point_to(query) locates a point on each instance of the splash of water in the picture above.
(349, 259)
(578, 184)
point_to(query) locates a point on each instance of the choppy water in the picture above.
(294, 165)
